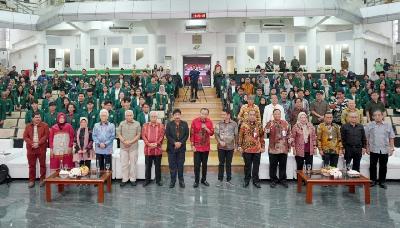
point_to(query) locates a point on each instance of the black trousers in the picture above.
(217, 85)
(103, 159)
(149, 160)
(225, 159)
(330, 159)
(176, 160)
(308, 159)
(194, 86)
(275, 161)
(383, 160)
(355, 155)
(86, 163)
(251, 166)
(200, 159)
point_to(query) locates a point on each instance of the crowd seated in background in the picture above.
(84, 95)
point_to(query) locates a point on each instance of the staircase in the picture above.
(192, 110)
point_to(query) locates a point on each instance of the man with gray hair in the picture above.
(128, 133)
(103, 138)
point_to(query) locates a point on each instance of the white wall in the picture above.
(179, 43)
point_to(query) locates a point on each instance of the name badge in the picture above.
(284, 133)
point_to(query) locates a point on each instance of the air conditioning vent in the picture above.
(120, 29)
(273, 25)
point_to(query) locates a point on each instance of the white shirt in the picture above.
(33, 78)
(269, 109)
(116, 93)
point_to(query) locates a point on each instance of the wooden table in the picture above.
(104, 177)
(316, 178)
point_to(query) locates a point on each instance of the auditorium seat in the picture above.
(10, 123)
(140, 167)
(6, 133)
(14, 115)
(23, 115)
(389, 112)
(396, 120)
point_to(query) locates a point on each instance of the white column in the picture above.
(85, 50)
(311, 50)
(240, 57)
(357, 57)
(152, 56)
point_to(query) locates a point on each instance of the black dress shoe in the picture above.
(205, 183)
(146, 183)
(195, 185)
(383, 186)
(123, 184)
(284, 184)
(374, 183)
(172, 185)
(273, 184)
(246, 184)
(256, 184)
(160, 183)
(181, 184)
(133, 183)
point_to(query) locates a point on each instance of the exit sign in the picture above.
(199, 15)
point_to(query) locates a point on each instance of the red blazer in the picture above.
(199, 137)
(43, 135)
(298, 139)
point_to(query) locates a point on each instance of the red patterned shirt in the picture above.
(199, 137)
(152, 133)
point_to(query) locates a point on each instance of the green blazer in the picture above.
(28, 115)
(141, 118)
(50, 119)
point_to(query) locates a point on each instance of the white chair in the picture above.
(140, 165)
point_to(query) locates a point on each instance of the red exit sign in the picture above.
(199, 15)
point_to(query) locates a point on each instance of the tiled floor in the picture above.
(155, 206)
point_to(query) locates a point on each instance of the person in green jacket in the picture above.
(237, 102)
(60, 101)
(144, 116)
(394, 99)
(126, 105)
(92, 114)
(259, 95)
(73, 116)
(34, 108)
(7, 102)
(46, 101)
(80, 103)
(19, 99)
(104, 96)
(111, 114)
(151, 90)
(144, 81)
(50, 117)
(354, 95)
(3, 114)
(161, 99)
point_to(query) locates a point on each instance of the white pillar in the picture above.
(357, 57)
(241, 53)
(152, 56)
(85, 50)
(311, 50)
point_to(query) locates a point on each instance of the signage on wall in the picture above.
(199, 15)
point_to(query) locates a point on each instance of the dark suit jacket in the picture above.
(170, 132)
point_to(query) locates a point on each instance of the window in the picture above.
(52, 58)
(114, 57)
(328, 55)
(344, 52)
(139, 53)
(250, 51)
(67, 58)
(91, 58)
(276, 54)
(302, 55)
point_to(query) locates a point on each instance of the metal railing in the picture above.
(378, 2)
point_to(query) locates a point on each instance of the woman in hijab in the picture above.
(303, 141)
(61, 140)
(161, 98)
(327, 89)
(84, 152)
(288, 86)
